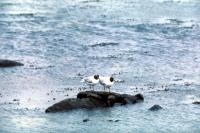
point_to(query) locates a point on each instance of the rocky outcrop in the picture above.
(9, 63)
(155, 108)
(95, 99)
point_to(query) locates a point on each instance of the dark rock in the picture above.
(113, 120)
(196, 102)
(54, 98)
(155, 108)
(111, 100)
(15, 100)
(75, 103)
(85, 120)
(9, 63)
(94, 99)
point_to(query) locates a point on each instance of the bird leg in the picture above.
(109, 89)
(93, 87)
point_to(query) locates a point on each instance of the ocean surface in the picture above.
(151, 45)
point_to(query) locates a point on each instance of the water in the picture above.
(149, 44)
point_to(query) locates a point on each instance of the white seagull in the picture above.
(91, 81)
(107, 82)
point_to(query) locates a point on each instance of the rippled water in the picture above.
(148, 44)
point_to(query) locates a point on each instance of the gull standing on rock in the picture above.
(107, 82)
(91, 81)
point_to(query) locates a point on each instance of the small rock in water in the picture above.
(54, 98)
(196, 102)
(113, 120)
(85, 120)
(155, 108)
(15, 100)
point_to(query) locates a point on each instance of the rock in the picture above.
(9, 63)
(113, 120)
(75, 103)
(196, 102)
(15, 100)
(85, 120)
(94, 99)
(155, 108)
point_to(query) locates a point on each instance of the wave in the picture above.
(178, 1)
(18, 14)
(104, 44)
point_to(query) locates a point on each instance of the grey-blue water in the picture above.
(153, 45)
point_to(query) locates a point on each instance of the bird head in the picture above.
(96, 77)
(111, 79)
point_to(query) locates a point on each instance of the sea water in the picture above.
(151, 46)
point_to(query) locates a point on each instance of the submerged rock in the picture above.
(155, 108)
(86, 120)
(94, 99)
(9, 63)
(196, 102)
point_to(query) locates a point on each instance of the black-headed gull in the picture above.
(91, 81)
(107, 82)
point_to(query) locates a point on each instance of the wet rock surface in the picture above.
(155, 108)
(95, 99)
(9, 63)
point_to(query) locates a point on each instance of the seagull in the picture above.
(91, 81)
(107, 82)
